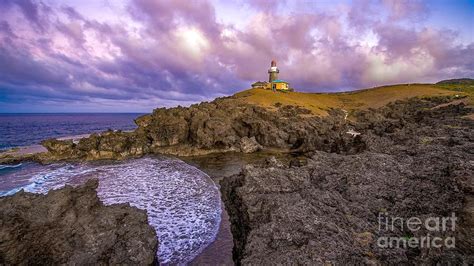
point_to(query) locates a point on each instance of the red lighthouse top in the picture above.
(274, 63)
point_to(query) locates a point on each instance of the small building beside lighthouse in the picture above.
(273, 83)
(280, 85)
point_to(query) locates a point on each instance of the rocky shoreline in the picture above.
(72, 226)
(222, 166)
(320, 203)
(223, 125)
(416, 161)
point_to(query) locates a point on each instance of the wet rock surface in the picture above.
(72, 226)
(410, 160)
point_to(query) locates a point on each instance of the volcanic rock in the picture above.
(222, 125)
(324, 207)
(72, 226)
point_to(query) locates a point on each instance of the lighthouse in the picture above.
(273, 83)
(273, 72)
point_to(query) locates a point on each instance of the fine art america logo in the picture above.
(430, 232)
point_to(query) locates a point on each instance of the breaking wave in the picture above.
(182, 202)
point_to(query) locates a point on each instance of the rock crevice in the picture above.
(416, 162)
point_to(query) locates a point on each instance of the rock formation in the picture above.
(72, 226)
(417, 161)
(225, 124)
(411, 158)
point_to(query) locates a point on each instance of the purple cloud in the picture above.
(180, 52)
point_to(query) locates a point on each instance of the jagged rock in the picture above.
(63, 148)
(223, 124)
(249, 145)
(298, 215)
(72, 226)
(325, 209)
(107, 145)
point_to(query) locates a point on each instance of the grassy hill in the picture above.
(319, 103)
(465, 86)
(465, 81)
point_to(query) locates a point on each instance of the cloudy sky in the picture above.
(135, 55)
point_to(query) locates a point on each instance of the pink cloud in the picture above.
(179, 51)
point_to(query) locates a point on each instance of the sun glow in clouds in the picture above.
(382, 69)
(192, 41)
(211, 48)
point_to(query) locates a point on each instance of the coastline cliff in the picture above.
(246, 122)
(402, 150)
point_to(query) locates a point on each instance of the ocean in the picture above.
(183, 203)
(18, 130)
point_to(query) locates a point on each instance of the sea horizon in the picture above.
(26, 129)
(209, 132)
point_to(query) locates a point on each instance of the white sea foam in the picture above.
(183, 203)
(8, 166)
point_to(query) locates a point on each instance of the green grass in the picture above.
(466, 89)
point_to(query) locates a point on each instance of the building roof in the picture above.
(279, 81)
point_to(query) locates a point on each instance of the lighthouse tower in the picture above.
(273, 72)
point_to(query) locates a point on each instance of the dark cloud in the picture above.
(33, 11)
(171, 52)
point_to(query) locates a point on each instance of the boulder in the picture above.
(72, 226)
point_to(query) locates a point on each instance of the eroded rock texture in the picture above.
(417, 162)
(221, 125)
(72, 226)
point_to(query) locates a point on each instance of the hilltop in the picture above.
(252, 120)
(465, 81)
(321, 103)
